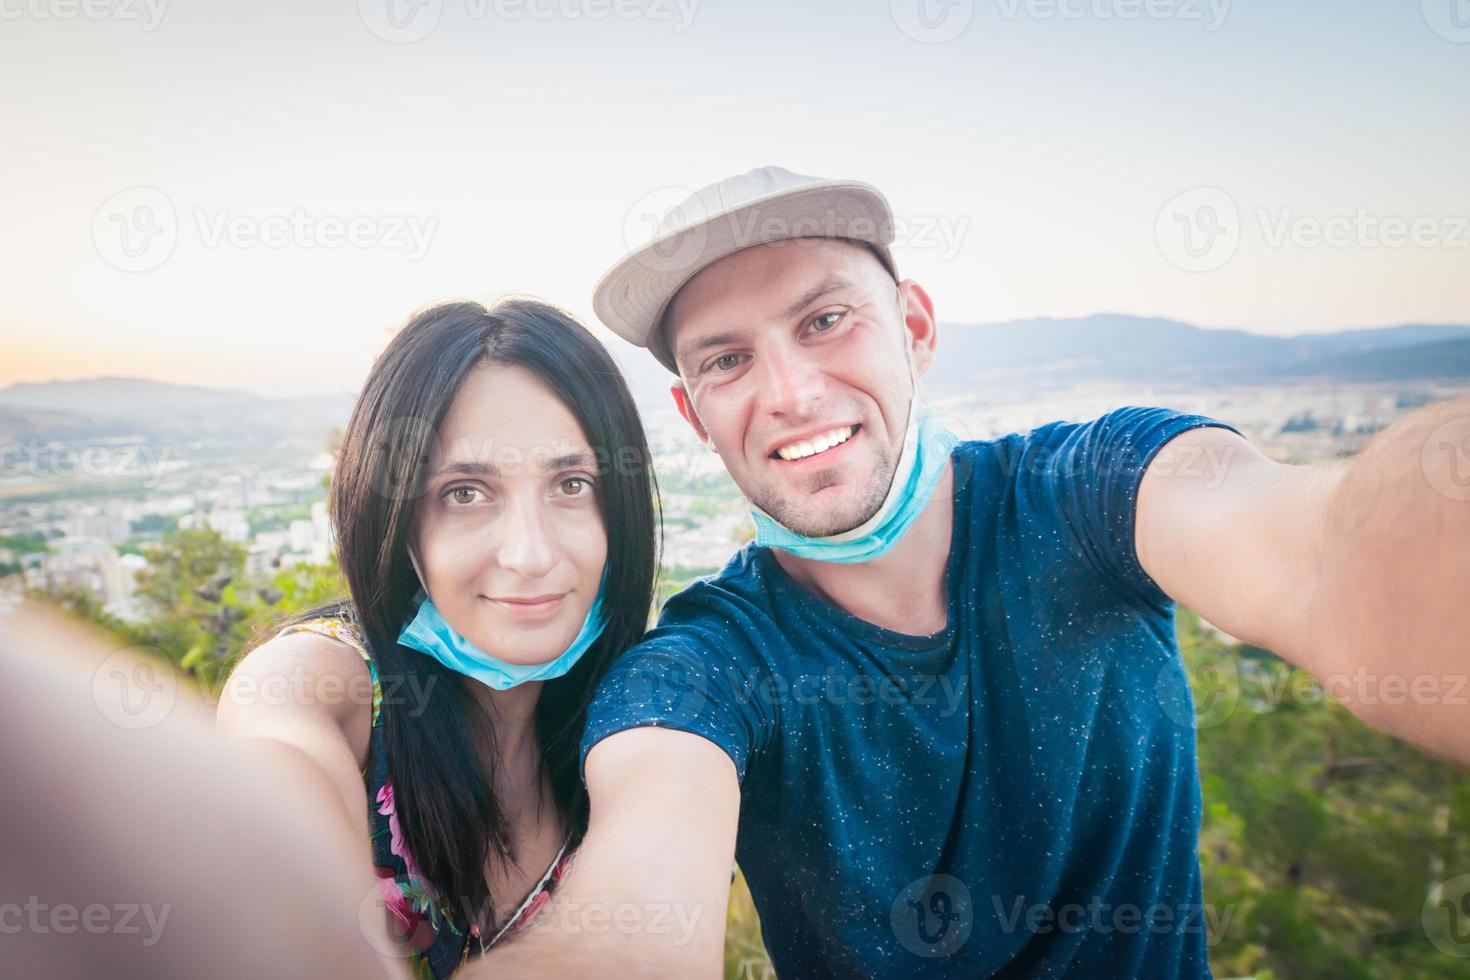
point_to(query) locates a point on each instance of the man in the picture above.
(942, 722)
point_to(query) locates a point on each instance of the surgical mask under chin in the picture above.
(431, 634)
(927, 446)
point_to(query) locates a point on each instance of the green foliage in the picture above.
(201, 610)
(25, 543)
(1322, 836)
(159, 524)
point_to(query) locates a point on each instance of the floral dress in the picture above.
(428, 927)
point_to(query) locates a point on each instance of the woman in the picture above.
(489, 456)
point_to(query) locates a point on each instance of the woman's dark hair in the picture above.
(442, 775)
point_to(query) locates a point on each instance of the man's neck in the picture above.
(902, 591)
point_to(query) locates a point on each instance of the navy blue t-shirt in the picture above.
(1017, 795)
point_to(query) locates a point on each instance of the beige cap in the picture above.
(765, 205)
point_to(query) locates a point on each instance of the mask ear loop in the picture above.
(413, 559)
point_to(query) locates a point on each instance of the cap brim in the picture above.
(632, 296)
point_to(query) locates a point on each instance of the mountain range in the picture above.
(1013, 357)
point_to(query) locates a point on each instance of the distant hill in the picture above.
(132, 398)
(1111, 347)
(109, 408)
(1017, 357)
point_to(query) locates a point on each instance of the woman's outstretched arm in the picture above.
(134, 842)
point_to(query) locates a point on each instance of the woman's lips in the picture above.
(541, 609)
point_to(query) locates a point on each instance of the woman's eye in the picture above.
(463, 496)
(826, 321)
(578, 486)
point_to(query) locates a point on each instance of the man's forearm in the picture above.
(1389, 608)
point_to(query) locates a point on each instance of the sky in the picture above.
(256, 195)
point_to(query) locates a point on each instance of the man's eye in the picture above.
(823, 322)
(725, 362)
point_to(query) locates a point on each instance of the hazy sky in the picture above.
(313, 172)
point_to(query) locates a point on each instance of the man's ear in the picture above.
(921, 332)
(686, 409)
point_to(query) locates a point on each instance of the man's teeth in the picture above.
(817, 444)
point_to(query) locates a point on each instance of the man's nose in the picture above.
(791, 381)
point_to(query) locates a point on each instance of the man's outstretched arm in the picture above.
(647, 891)
(1359, 572)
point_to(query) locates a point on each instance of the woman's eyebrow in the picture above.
(475, 467)
(466, 468)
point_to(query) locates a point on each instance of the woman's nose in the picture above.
(525, 545)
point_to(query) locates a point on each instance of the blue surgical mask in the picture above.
(430, 633)
(927, 445)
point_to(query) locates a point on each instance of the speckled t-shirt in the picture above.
(1017, 795)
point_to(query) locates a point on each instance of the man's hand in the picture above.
(647, 891)
(1358, 573)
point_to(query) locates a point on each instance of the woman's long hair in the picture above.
(436, 732)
